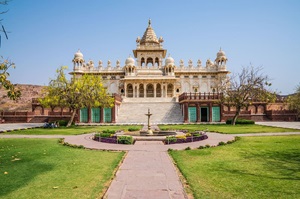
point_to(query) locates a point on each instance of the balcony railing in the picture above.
(200, 96)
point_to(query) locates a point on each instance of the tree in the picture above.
(294, 100)
(79, 92)
(241, 90)
(12, 92)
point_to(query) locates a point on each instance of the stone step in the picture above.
(149, 100)
(162, 112)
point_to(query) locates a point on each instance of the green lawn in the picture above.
(229, 129)
(40, 168)
(253, 167)
(74, 130)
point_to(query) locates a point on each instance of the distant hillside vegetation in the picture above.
(23, 104)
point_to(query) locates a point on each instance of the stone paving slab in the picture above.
(17, 126)
(293, 125)
(146, 173)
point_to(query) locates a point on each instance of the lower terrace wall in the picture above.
(26, 117)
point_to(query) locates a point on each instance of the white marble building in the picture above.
(150, 74)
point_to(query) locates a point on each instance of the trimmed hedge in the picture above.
(125, 140)
(240, 121)
(133, 129)
(109, 131)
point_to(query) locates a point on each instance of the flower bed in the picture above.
(188, 137)
(113, 139)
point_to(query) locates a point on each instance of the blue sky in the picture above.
(46, 34)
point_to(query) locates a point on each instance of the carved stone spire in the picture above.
(149, 35)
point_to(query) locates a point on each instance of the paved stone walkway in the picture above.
(17, 126)
(293, 125)
(147, 172)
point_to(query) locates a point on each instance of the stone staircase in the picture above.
(163, 112)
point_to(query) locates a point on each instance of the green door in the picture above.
(192, 114)
(107, 115)
(84, 115)
(216, 114)
(95, 115)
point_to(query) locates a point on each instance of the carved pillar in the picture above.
(125, 89)
(145, 90)
(198, 112)
(173, 91)
(101, 115)
(210, 112)
(138, 91)
(154, 90)
(113, 114)
(221, 112)
(186, 112)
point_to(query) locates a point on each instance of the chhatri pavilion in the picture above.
(151, 79)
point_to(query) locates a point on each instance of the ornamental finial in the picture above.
(149, 22)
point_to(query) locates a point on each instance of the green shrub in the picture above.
(196, 134)
(105, 135)
(207, 146)
(240, 121)
(125, 139)
(201, 147)
(133, 129)
(170, 139)
(187, 148)
(62, 122)
(109, 131)
(221, 143)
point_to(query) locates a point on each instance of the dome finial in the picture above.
(149, 22)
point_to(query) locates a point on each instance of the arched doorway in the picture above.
(141, 90)
(158, 90)
(170, 89)
(129, 90)
(150, 90)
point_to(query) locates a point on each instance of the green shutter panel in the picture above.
(216, 114)
(107, 115)
(192, 114)
(84, 115)
(95, 115)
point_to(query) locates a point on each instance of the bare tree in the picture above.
(242, 89)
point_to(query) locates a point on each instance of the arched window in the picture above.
(141, 90)
(156, 61)
(129, 90)
(170, 90)
(142, 61)
(149, 61)
(150, 90)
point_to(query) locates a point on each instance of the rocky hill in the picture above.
(24, 103)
